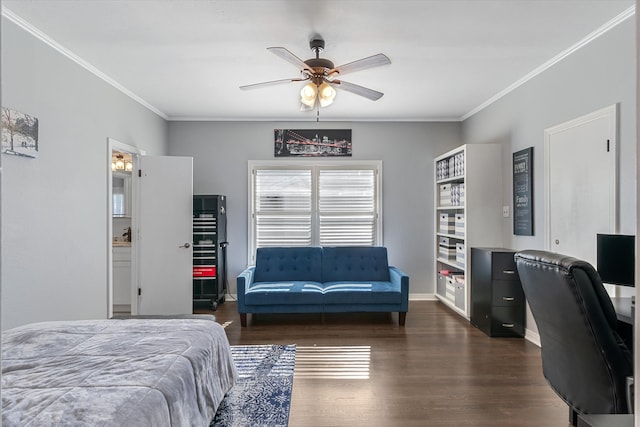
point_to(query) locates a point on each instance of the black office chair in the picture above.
(583, 357)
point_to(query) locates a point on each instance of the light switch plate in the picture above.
(505, 211)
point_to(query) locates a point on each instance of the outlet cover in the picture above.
(505, 211)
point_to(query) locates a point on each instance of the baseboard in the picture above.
(533, 337)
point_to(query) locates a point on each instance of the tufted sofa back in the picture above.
(288, 264)
(355, 263)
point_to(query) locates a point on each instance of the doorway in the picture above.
(581, 183)
(161, 195)
(122, 221)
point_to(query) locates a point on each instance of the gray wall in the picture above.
(598, 75)
(221, 151)
(54, 208)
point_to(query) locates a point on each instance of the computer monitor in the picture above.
(616, 259)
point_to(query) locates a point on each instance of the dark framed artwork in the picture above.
(523, 192)
(312, 142)
(19, 133)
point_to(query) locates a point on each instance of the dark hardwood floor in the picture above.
(365, 370)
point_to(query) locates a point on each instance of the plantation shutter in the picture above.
(282, 207)
(347, 207)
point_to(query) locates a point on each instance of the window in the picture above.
(311, 204)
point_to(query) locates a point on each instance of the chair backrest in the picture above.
(583, 358)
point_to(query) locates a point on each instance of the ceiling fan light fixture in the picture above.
(308, 94)
(326, 94)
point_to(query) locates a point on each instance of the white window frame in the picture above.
(314, 165)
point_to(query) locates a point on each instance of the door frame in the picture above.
(610, 112)
(113, 144)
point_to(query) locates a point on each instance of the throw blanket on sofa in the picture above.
(134, 372)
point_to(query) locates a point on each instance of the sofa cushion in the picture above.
(372, 292)
(355, 263)
(286, 264)
(284, 293)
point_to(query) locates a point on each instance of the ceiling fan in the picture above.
(322, 76)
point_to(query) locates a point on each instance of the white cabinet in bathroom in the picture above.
(122, 275)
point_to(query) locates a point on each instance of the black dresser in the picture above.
(497, 299)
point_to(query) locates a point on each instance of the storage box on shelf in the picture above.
(447, 223)
(459, 224)
(460, 254)
(468, 205)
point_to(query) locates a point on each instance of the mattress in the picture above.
(133, 372)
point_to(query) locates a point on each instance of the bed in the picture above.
(126, 372)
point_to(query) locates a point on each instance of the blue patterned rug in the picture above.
(262, 395)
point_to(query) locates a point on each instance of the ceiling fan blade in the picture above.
(290, 57)
(371, 94)
(362, 64)
(270, 83)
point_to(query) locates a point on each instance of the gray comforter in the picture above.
(134, 372)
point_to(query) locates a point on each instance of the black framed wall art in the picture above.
(312, 142)
(523, 192)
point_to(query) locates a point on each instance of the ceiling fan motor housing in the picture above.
(319, 63)
(316, 44)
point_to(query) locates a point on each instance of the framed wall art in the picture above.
(523, 192)
(19, 133)
(312, 142)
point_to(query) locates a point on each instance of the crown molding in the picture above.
(628, 13)
(312, 119)
(11, 16)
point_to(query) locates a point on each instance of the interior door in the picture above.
(165, 256)
(581, 183)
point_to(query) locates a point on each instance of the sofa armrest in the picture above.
(243, 282)
(400, 278)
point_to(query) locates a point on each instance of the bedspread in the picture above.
(134, 372)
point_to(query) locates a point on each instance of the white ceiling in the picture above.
(185, 59)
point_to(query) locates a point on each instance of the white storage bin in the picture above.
(447, 253)
(460, 255)
(451, 289)
(459, 224)
(447, 223)
(445, 194)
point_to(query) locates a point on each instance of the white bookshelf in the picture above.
(478, 183)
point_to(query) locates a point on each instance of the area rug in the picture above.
(262, 395)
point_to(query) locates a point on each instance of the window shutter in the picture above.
(347, 207)
(282, 207)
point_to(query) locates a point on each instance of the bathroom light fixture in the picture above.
(119, 162)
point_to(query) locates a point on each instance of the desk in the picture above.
(624, 309)
(617, 420)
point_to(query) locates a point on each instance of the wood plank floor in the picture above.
(365, 370)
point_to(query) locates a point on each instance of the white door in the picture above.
(165, 225)
(581, 183)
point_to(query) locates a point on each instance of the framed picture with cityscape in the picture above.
(312, 142)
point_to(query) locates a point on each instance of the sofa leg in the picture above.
(402, 316)
(243, 320)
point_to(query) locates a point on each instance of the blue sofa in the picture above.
(322, 280)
